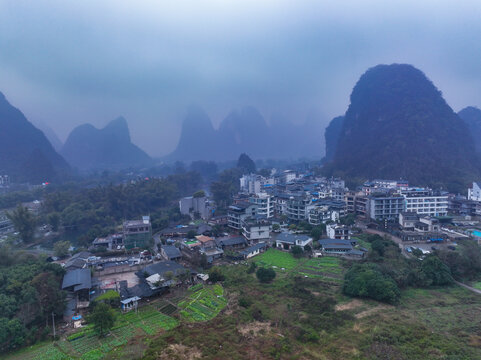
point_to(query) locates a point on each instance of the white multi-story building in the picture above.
(265, 204)
(298, 207)
(474, 193)
(425, 202)
(336, 231)
(253, 183)
(256, 229)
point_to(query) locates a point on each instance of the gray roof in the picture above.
(78, 278)
(355, 252)
(239, 240)
(162, 267)
(291, 238)
(253, 248)
(171, 251)
(324, 242)
(337, 246)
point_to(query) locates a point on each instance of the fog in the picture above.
(64, 63)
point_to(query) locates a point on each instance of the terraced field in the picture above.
(86, 345)
(203, 303)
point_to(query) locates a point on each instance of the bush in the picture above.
(366, 280)
(265, 275)
(244, 302)
(297, 251)
(252, 268)
(216, 275)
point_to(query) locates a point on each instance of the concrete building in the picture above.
(286, 240)
(408, 219)
(425, 201)
(336, 231)
(238, 212)
(385, 207)
(255, 229)
(298, 207)
(137, 233)
(474, 192)
(265, 204)
(196, 205)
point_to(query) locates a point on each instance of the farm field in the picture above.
(86, 345)
(326, 268)
(203, 303)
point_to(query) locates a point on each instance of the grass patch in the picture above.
(277, 258)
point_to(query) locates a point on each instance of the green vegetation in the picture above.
(203, 304)
(29, 293)
(265, 275)
(277, 258)
(366, 280)
(102, 318)
(24, 222)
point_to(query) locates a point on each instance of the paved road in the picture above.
(468, 287)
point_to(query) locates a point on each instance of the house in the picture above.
(336, 231)
(110, 242)
(335, 246)
(254, 250)
(238, 212)
(196, 205)
(209, 247)
(286, 240)
(231, 243)
(78, 261)
(137, 233)
(77, 283)
(385, 207)
(255, 229)
(408, 219)
(170, 252)
(474, 192)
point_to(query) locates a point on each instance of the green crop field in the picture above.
(85, 344)
(203, 304)
(277, 258)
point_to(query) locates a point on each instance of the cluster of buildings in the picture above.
(285, 197)
(386, 199)
(135, 234)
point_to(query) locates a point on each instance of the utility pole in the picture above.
(53, 324)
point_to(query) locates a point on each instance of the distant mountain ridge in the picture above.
(246, 131)
(399, 126)
(88, 148)
(26, 155)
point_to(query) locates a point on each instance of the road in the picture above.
(392, 237)
(468, 287)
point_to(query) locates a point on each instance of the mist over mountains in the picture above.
(88, 148)
(246, 130)
(27, 155)
(399, 126)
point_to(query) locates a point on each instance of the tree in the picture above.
(435, 271)
(317, 232)
(297, 251)
(216, 275)
(265, 275)
(103, 318)
(61, 248)
(24, 222)
(246, 164)
(199, 194)
(252, 268)
(275, 227)
(49, 296)
(191, 234)
(54, 220)
(366, 280)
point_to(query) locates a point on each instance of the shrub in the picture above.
(265, 275)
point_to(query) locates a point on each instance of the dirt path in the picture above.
(468, 287)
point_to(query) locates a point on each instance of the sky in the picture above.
(65, 63)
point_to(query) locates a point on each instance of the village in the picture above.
(290, 211)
